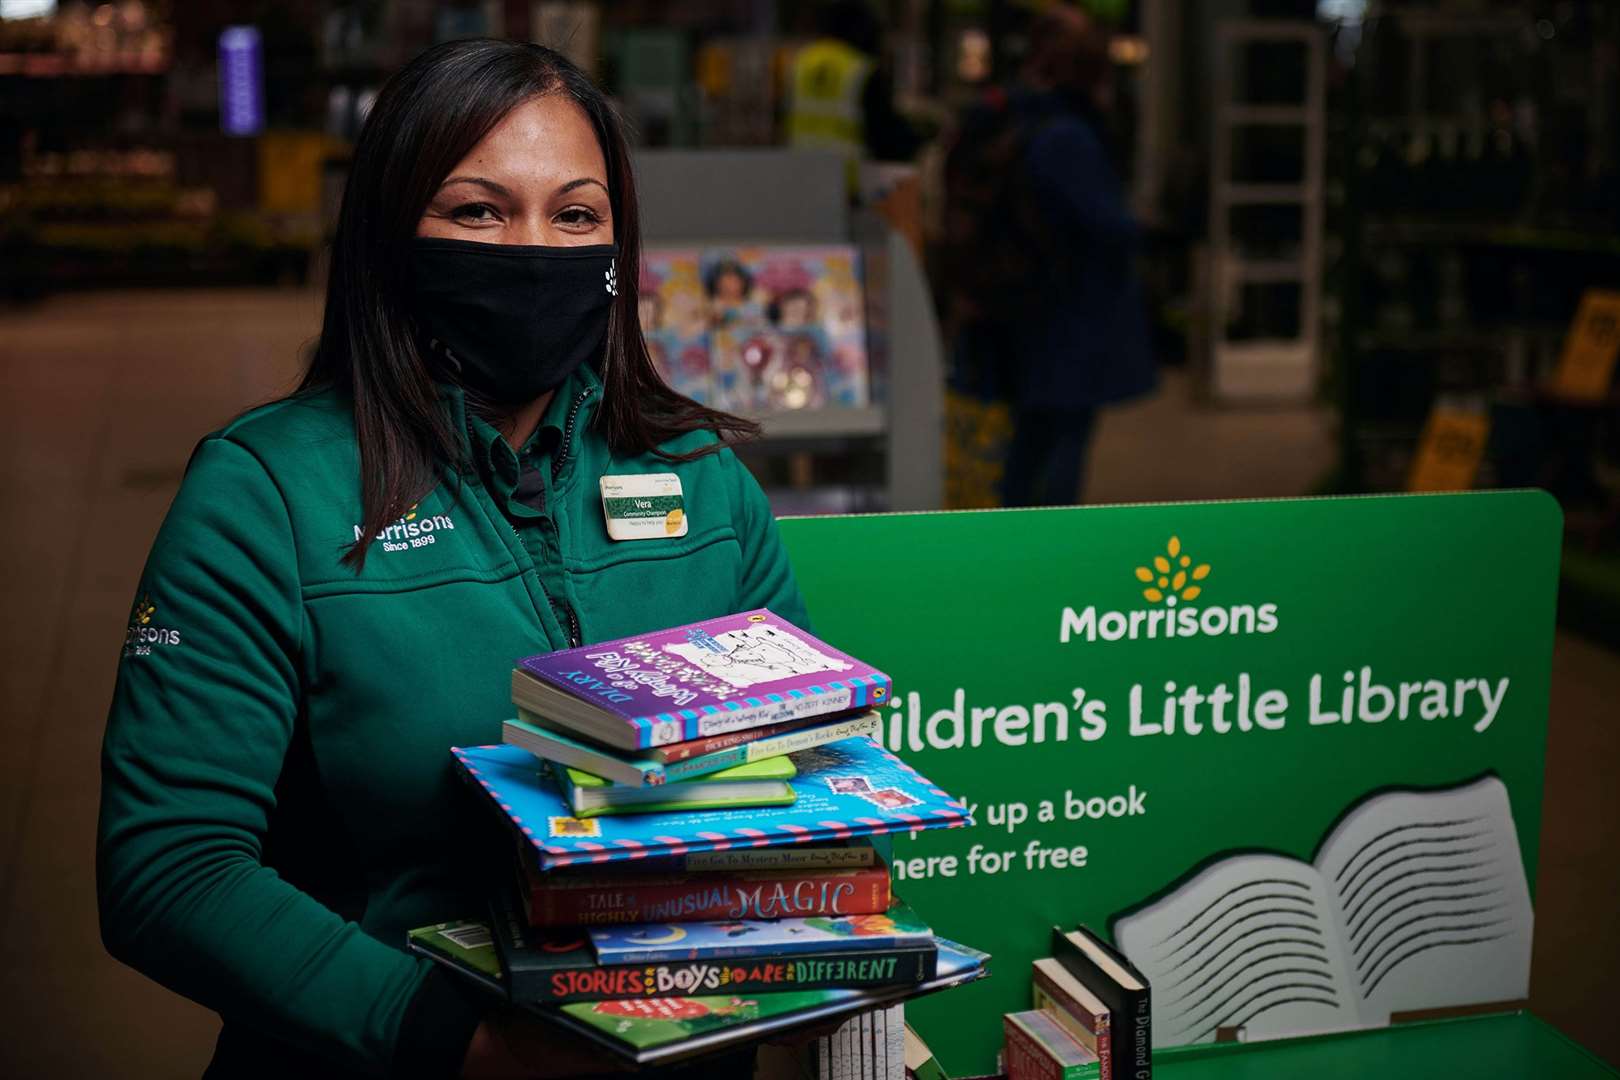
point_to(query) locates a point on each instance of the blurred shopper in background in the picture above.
(840, 97)
(1044, 307)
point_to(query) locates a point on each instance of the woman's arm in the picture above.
(201, 720)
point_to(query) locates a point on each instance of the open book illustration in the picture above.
(1416, 900)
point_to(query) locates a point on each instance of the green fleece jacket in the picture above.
(278, 805)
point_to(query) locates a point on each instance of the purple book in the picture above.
(705, 678)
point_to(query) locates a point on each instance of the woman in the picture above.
(346, 576)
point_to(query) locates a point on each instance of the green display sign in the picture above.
(1152, 708)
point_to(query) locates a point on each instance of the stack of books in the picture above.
(1092, 1008)
(693, 810)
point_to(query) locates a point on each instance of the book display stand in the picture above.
(708, 200)
(1286, 755)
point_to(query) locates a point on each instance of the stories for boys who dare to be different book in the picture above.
(846, 789)
(706, 678)
(655, 1030)
(559, 965)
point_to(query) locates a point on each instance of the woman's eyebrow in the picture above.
(499, 189)
(581, 182)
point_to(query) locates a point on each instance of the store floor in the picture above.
(101, 400)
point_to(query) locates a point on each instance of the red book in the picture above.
(1035, 1047)
(556, 899)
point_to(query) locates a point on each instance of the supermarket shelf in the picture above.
(1485, 235)
(1265, 114)
(1266, 271)
(836, 422)
(1266, 194)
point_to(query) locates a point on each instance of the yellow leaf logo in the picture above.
(145, 610)
(1170, 577)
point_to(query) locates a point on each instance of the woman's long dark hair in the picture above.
(425, 120)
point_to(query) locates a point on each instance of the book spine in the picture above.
(782, 858)
(743, 949)
(606, 903)
(656, 729)
(1131, 1015)
(692, 978)
(1094, 1034)
(774, 746)
(1024, 1059)
(692, 748)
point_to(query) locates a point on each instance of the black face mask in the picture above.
(512, 322)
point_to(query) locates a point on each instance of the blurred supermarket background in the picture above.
(1324, 246)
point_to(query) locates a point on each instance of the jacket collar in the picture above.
(559, 433)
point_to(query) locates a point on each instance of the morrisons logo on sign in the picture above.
(1170, 582)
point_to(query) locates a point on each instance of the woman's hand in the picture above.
(511, 1046)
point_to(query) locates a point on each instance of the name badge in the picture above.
(644, 507)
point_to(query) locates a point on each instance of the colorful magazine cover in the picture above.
(727, 939)
(849, 788)
(675, 320)
(707, 678)
(787, 327)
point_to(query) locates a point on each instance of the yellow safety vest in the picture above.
(824, 98)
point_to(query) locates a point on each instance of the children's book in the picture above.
(567, 898)
(559, 965)
(656, 1030)
(1073, 1005)
(465, 944)
(665, 1029)
(845, 789)
(1416, 899)
(759, 783)
(1036, 1048)
(531, 732)
(651, 942)
(706, 678)
(831, 855)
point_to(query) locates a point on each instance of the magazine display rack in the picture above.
(755, 198)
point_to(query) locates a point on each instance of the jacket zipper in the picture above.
(568, 432)
(571, 621)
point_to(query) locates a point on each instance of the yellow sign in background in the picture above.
(1586, 367)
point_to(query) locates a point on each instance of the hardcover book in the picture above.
(592, 899)
(560, 966)
(1037, 1048)
(531, 732)
(758, 783)
(845, 789)
(653, 1031)
(663, 1029)
(651, 942)
(1072, 1004)
(706, 678)
(1106, 972)
(833, 855)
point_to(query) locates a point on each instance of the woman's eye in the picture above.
(579, 216)
(474, 213)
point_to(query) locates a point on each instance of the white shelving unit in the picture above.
(1276, 369)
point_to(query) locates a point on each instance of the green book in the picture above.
(466, 945)
(758, 783)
